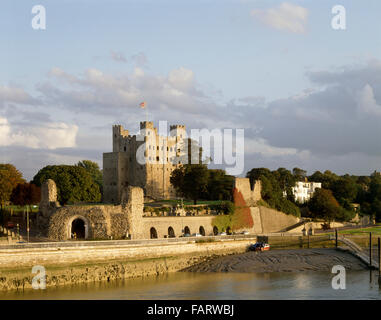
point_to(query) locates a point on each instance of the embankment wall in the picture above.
(74, 265)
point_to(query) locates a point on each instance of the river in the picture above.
(188, 285)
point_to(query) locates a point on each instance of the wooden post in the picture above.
(370, 249)
(27, 222)
(336, 237)
(379, 260)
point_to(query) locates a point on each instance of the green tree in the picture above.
(344, 190)
(324, 205)
(74, 183)
(10, 177)
(220, 185)
(299, 174)
(191, 181)
(94, 170)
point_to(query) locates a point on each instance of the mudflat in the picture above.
(281, 261)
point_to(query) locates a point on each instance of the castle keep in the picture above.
(145, 160)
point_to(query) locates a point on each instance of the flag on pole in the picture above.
(142, 105)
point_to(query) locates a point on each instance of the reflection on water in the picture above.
(302, 285)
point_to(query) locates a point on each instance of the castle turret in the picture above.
(178, 130)
(118, 133)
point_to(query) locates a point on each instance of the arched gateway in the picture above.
(78, 228)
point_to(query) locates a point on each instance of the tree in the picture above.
(94, 170)
(74, 183)
(299, 174)
(191, 180)
(10, 177)
(220, 185)
(344, 190)
(324, 205)
(26, 194)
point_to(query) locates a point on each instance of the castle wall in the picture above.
(275, 221)
(162, 224)
(250, 195)
(265, 220)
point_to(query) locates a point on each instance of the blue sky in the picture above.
(224, 54)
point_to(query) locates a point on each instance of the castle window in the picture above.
(167, 148)
(171, 148)
(157, 147)
(157, 158)
(125, 148)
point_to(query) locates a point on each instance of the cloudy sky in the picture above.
(307, 95)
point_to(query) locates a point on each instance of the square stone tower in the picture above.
(145, 160)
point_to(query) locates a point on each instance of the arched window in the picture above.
(171, 233)
(153, 233)
(187, 230)
(215, 230)
(202, 231)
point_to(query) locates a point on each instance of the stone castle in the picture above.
(146, 160)
(139, 167)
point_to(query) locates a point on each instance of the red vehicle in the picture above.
(9, 225)
(259, 246)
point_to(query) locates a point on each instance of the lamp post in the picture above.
(27, 222)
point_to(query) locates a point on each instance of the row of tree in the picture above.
(78, 183)
(196, 181)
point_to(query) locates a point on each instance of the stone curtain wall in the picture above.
(275, 221)
(161, 225)
(251, 196)
(265, 220)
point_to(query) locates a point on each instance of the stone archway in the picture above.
(153, 233)
(78, 228)
(187, 230)
(171, 233)
(202, 231)
(215, 230)
(228, 231)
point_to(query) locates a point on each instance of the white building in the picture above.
(303, 191)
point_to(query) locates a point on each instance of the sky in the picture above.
(307, 95)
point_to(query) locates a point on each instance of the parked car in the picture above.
(259, 246)
(197, 235)
(186, 235)
(222, 234)
(245, 232)
(10, 225)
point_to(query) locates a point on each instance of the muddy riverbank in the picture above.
(289, 260)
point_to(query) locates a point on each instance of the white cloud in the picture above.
(261, 146)
(286, 16)
(367, 102)
(49, 136)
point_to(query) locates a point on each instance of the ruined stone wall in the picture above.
(250, 195)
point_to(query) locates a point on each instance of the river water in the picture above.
(186, 285)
